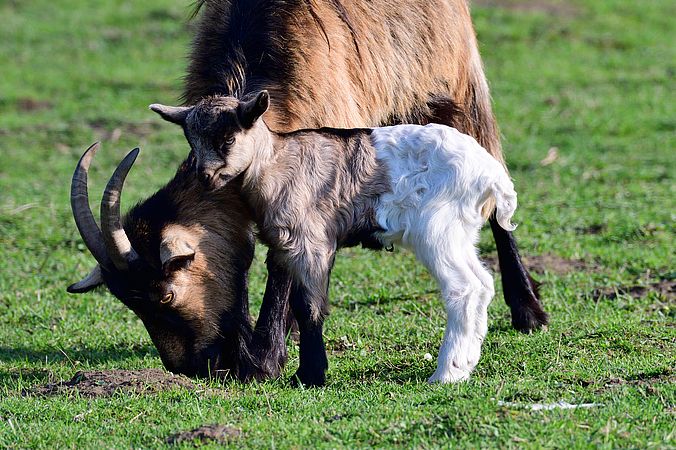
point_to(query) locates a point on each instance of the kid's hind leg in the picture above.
(520, 290)
(461, 294)
(486, 293)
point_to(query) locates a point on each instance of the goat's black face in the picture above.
(142, 290)
(187, 279)
(183, 307)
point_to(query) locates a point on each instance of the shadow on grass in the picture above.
(376, 300)
(401, 373)
(90, 355)
(22, 376)
(20, 357)
(93, 356)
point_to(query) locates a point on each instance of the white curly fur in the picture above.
(440, 179)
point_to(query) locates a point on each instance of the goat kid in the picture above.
(314, 191)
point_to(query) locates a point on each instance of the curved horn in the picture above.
(117, 243)
(79, 202)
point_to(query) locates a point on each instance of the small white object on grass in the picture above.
(549, 406)
(552, 156)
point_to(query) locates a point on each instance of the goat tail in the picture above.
(505, 201)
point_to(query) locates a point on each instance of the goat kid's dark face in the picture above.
(173, 291)
(219, 131)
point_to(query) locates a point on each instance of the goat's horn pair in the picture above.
(109, 244)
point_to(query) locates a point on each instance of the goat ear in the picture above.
(174, 252)
(248, 112)
(173, 114)
(92, 280)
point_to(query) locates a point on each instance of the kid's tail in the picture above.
(497, 189)
(505, 200)
(494, 187)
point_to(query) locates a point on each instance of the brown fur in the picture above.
(412, 63)
(203, 290)
(194, 308)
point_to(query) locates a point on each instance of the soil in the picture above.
(112, 131)
(27, 104)
(104, 383)
(543, 263)
(651, 382)
(595, 228)
(552, 7)
(665, 288)
(222, 434)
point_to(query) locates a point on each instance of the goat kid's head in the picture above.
(223, 133)
(165, 261)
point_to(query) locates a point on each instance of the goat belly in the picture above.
(367, 237)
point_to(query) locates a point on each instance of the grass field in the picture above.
(589, 83)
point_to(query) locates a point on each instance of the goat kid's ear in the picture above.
(173, 114)
(248, 112)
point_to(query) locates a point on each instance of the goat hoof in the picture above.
(271, 369)
(524, 302)
(529, 318)
(453, 375)
(307, 380)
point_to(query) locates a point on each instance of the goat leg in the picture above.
(268, 344)
(520, 290)
(313, 360)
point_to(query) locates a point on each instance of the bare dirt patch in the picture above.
(544, 263)
(595, 228)
(27, 104)
(111, 131)
(651, 382)
(553, 7)
(221, 434)
(664, 288)
(104, 383)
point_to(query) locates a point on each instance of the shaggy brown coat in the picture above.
(347, 64)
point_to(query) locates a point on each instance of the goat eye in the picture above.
(230, 140)
(168, 297)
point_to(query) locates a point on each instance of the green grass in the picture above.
(594, 79)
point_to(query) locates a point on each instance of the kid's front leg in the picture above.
(269, 338)
(310, 309)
